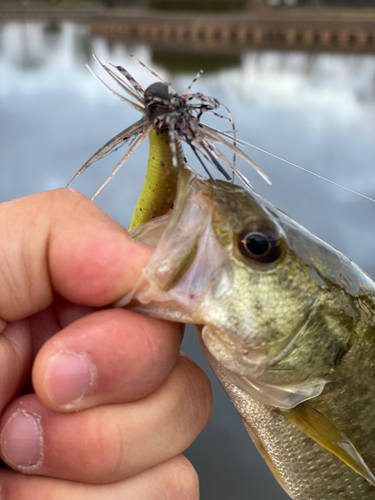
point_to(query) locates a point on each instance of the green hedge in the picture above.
(181, 62)
(198, 4)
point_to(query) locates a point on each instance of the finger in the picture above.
(173, 479)
(48, 322)
(15, 359)
(61, 241)
(110, 356)
(42, 325)
(66, 312)
(112, 442)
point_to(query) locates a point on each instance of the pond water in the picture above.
(314, 110)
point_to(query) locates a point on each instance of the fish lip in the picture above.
(150, 233)
(180, 264)
(187, 230)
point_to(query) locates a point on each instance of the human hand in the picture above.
(115, 403)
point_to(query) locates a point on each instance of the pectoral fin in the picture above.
(315, 425)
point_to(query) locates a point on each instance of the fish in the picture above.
(286, 322)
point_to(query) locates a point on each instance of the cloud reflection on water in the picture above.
(316, 110)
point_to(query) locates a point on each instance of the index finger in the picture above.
(61, 242)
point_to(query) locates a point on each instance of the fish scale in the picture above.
(305, 469)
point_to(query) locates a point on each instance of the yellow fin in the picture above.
(316, 426)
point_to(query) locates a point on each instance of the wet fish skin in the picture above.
(304, 469)
(291, 340)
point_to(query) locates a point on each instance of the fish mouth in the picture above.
(186, 254)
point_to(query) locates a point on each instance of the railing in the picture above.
(262, 34)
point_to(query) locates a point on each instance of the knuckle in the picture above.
(67, 195)
(57, 202)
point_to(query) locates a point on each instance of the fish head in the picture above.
(265, 291)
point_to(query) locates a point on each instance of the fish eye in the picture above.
(260, 243)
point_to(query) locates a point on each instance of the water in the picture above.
(314, 110)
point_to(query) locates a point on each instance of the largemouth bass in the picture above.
(285, 321)
(287, 324)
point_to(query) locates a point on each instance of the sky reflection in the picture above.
(316, 110)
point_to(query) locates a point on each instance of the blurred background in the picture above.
(299, 78)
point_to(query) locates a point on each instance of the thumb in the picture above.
(61, 242)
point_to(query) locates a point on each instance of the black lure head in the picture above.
(159, 90)
(157, 98)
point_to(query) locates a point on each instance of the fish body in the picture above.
(287, 324)
(286, 321)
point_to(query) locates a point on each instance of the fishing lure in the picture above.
(179, 117)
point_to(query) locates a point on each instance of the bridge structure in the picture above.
(295, 29)
(221, 33)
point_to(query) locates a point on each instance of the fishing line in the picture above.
(308, 171)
